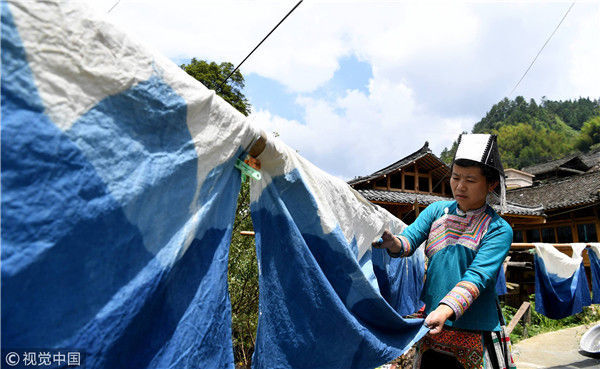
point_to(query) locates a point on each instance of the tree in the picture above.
(243, 269)
(243, 282)
(212, 76)
(525, 144)
(447, 155)
(531, 133)
(589, 135)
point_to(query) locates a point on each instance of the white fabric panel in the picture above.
(558, 263)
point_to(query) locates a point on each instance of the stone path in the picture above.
(555, 350)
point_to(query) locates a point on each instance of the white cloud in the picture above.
(437, 66)
(584, 72)
(360, 133)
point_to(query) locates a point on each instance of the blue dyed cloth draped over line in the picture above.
(319, 305)
(118, 198)
(594, 254)
(561, 287)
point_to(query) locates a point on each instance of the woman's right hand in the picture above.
(389, 241)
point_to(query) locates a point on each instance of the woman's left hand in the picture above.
(436, 319)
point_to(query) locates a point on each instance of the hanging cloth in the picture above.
(561, 287)
(501, 282)
(594, 255)
(320, 304)
(118, 196)
(401, 280)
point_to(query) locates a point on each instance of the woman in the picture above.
(467, 242)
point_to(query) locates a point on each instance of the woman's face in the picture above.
(469, 187)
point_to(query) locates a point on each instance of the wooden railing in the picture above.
(523, 312)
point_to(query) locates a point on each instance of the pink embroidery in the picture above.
(454, 229)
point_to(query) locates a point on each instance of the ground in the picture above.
(556, 350)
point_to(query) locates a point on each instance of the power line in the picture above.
(110, 10)
(543, 46)
(260, 43)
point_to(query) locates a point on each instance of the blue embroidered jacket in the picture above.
(465, 252)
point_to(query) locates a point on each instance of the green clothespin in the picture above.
(247, 171)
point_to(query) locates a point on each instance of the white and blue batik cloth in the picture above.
(561, 287)
(118, 198)
(320, 305)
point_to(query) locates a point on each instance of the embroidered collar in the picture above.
(470, 213)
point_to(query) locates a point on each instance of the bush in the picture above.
(542, 324)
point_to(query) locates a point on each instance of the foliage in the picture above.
(589, 135)
(243, 270)
(525, 144)
(212, 76)
(530, 133)
(574, 113)
(243, 282)
(542, 324)
(448, 154)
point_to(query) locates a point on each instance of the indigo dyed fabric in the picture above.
(400, 280)
(117, 200)
(594, 255)
(320, 304)
(501, 282)
(561, 287)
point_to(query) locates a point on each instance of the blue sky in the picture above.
(353, 86)
(269, 94)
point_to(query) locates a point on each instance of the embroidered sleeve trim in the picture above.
(406, 250)
(461, 297)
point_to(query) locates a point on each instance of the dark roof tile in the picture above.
(559, 193)
(425, 199)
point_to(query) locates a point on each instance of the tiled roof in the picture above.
(592, 159)
(401, 197)
(422, 152)
(587, 161)
(550, 165)
(564, 192)
(425, 199)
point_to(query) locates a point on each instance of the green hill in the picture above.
(531, 133)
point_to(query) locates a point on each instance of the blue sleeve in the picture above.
(416, 233)
(493, 250)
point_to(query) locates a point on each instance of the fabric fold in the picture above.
(561, 287)
(320, 302)
(594, 255)
(118, 196)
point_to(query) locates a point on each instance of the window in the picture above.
(381, 182)
(517, 236)
(409, 182)
(396, 181)
(533, 235)
(564, 234)
(548, 235)
(587, 232)
(423, 184)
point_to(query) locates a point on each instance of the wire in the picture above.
(543, 46)
(110, 10)
(263, 40)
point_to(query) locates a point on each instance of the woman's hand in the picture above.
(436, 319)
(390, 242)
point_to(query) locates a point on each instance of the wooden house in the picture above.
(409, 185)
(556, 202)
